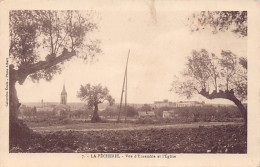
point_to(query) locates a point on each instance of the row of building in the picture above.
(166, 103)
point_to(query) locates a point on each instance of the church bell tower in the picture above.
(63, 96)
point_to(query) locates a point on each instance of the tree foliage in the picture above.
(41, 41)
(95, 94)
(146, 107)
(206, 71)
(220, 21)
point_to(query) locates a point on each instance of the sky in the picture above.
(159, 43)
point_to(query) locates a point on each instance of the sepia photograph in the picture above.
(77, 86)
(130, 83)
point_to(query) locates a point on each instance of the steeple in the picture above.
(63, 96)
(64, 90)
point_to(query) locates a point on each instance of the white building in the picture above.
(145, 114)
(166, 103)
(169, 114)
(189, 103)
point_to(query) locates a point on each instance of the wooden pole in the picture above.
(118, 118)
(126, 94)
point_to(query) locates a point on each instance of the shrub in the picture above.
(146, 120)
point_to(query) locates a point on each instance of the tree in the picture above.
(131, 111)
(220, 21)
(60, 35)
(146, 108)
(95, 95)
(215, 77)
(226, 76)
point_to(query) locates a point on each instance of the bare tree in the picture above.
(95, 95)
(215, 77)
(60, 34)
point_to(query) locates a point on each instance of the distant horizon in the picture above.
(127, 103)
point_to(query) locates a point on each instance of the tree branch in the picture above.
(61, 42)
(24, 71)
(228, 94)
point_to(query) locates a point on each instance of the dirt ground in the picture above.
(182, 138)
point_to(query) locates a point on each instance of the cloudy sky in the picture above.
(159, 41)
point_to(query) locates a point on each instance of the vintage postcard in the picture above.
(130, 83)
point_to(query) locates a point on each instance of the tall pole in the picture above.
(118, 118)
(126, 93)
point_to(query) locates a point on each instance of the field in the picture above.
(121, 126)
(201, 137)
(205, 129)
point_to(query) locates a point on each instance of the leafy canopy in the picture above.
(220, 21)
(207, 72)
(94, 95)
(43, 35)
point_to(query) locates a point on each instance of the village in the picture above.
(160, 112)
(70, 110)
(179, 93)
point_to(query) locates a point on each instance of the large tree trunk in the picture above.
(13, 99)
(19, 133)
(241, 108)
(228, 94)
(95, 117)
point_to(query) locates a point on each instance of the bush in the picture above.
(80, 113)
(65, 121)
(110, 111)
(145, 121)
(131, 111)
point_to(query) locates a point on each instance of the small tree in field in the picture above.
(95, 95)
(215, 77)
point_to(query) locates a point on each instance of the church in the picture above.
(62, 107)
(63, 96)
